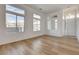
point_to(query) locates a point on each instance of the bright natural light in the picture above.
(36, 16)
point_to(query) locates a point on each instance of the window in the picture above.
(14, 9)
(77, 15)
(14, 18)
(70, 16)
(10, 20)
(49, 25)
(56, 22)
(36, 16)
(36, 22)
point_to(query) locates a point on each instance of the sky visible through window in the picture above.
(11, 18)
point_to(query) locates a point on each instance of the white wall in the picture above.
(7, 37)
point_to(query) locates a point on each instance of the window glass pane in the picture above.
(20, 23)
(49, 24)
(38, 22)
(63, 17)
(34, 29)
(52, 24)
(56, 20)
(77, 15)
(35, 25)
(35, 21)
(10, 20)
(70, 16)
(38, 29)
(56, 24)
(67, 17)
(36, 16)
(14, 9)
(38, 26)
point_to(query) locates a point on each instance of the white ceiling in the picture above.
(48, 8)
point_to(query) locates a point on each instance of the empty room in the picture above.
(39, 29)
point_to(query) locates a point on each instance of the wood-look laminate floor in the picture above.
(45, 45)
